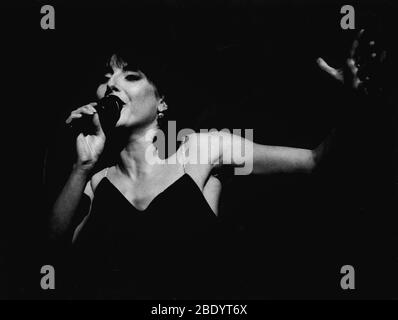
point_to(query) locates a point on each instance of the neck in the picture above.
(139, 156)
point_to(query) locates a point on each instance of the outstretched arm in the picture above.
(223, 148)
(275, 159)
(358, 73)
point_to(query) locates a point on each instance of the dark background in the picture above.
(227, 64)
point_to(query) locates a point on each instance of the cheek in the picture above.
(135, 93)
(137, 113)
(147, 110)
(101, 91)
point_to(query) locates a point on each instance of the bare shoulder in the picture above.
(97, 177)
(197, 155)
(204, 147)
(202, 139)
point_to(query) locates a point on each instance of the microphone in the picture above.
(108, 109)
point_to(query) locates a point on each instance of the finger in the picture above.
(91, 106)
(352, 76)
(73, 116)
(354, 47)
(78, 113)
(360, 34)
(352, 66)
(355, 44)
(92, 109)
(84, 109)
(335, 73)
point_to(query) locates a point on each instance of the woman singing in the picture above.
(146, 227)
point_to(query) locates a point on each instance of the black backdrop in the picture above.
(229, 64)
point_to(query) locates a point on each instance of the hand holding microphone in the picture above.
(108, 110)
(91, 123)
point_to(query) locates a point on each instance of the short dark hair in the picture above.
(151, 65)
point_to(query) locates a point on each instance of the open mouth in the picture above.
(117, 100)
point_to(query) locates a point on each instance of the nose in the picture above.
(110, 88)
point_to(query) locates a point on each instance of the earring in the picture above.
(162, 105)
(160, 115)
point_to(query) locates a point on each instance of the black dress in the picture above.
(171, 250)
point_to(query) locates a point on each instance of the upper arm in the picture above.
(211, 192)
(223, 148)
(87, 199)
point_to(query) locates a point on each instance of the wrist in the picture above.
(82, 168)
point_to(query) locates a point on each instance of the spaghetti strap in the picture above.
(183, 158)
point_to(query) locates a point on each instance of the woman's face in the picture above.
(135, 90)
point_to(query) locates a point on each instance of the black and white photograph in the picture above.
(184, 151)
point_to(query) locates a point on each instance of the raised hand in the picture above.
(361, 69)
(88, 146)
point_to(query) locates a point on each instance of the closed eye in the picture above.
(133, 77)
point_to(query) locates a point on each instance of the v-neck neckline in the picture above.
(154, 198)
